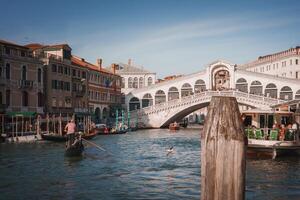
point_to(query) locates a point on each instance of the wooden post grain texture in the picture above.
(223, 152)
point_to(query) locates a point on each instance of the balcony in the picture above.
(25, 84)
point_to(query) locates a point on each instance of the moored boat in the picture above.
(89, 135)
(53, 137)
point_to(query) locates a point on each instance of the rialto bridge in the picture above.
(160, 104)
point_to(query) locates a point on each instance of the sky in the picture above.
(169, 37)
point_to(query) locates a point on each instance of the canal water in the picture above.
(135, 166)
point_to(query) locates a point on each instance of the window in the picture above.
(149, 81)
(74, 87)
(7, 71)
(60, 69)
(0, 71)
(23, 54)
(65, 70)
(83, 75)
(54, 84)
(296, 61)
(7, 97)
(39, 75)
(54, 101)
(7, 50)
(24, 72)
(283, 64)
(1, 98)
(291, 62)
(40, 99)
(54, 68)
(73, 72)
(296, 75)
(24, 98)
(78, 73)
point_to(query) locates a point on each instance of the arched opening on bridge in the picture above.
(130, 82)
(297, 95)
(141, 82)
(271, 91)
(147, 100)
(173, 93)
(222, 80)
(97, 115)
(241, 85)
(286, 93)
(135, 82)
(199, 86)
(134, 104)
(256, 88)
(160, 97)
(186, 90)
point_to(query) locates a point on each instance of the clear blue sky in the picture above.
(167, 37)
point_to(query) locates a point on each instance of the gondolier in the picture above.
(70, 129)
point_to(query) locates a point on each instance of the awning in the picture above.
(21, 114)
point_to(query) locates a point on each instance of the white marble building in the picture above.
(282, 64)
(133, 77)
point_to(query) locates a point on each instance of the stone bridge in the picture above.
(165, 102)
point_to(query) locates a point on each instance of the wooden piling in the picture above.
(223, 152)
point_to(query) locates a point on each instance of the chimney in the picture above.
(113, 66)
(99, 63)
(129, 61)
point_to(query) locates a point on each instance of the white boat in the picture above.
(272, 148)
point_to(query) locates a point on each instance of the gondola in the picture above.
(53, 137)
(90, 135)
(73, 150)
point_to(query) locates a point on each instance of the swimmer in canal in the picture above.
(170, 150)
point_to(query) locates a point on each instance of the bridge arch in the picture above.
(271, 90)
(286, 93)
(199, 86)
(134, 104)
(297, 95)
(147, 100)
(173, 93)
(242, 85)
(186, 90)
(256, 88)
(160, 97)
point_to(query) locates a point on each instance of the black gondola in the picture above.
(74, 149)
(53, 137)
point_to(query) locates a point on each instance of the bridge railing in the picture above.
(207, 95)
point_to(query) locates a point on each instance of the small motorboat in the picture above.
(174, 126)
(53, 137)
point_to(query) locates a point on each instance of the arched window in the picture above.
(40, 99)
(7, 97)
(1, 101)
(242, 85)
(199, 86)
(256, 88)
(0, 71)
(39, 75)
(186, 90)
(150, 81)
(24, 98)
(286, 93)
(147, 100)
(134, 104)
(129, 82)
(97, 115)
(141, 82)
(24, 73)
(297, 95)
(7, 71)
(135, 82)
(271, 91)
(104, 113)
(123, 83)
(160, 97)
(173, 93)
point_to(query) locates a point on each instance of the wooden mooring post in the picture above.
(223, 159)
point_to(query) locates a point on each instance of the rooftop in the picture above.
(122, 68)
(12, 44)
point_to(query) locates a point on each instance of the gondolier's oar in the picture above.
(95, 145)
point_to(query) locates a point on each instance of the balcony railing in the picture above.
(80, 93)
(25, 84)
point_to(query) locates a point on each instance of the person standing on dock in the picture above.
(70, 129)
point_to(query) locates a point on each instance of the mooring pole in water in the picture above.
(223, 152)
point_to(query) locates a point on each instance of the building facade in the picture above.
(21, 80)
(282, 64)
(133, 77)
(104, 89)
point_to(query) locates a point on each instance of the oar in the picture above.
(95, 145)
